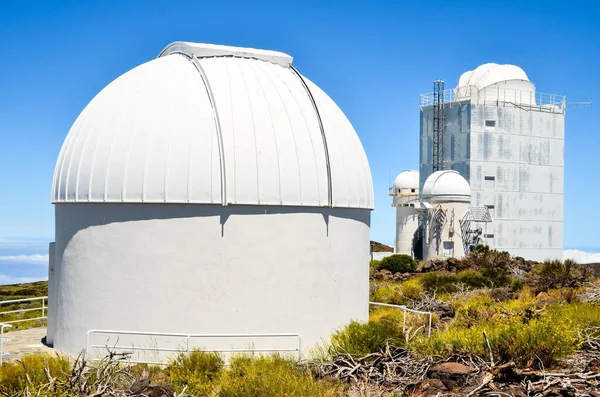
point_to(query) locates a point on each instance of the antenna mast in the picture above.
(438, 125)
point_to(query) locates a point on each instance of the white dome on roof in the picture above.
(489, 74)
(408, 179)
(214, 124)
(446, 185)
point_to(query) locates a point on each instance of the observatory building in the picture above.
(440, 222)
(405, 193)
(214, 190)
(507, 141)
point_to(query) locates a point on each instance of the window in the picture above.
(489, 235)
(490, 206)
(448, 247)
(412, 190)
(490, 123)
(489, 178)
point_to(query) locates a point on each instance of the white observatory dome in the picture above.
(213, 124)
(216, 179)
(494, 76)
(408, 179)
(446, 186)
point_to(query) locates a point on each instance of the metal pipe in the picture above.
(2, 326)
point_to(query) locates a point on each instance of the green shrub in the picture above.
(439, 282)
(398, 263)
(374, 266)
(558, 274)
(390, 292)
(363, 338)
(398, 293)
(540, 341)
(271, 376)
(446, 282)
(197, 370)
(29, 372)
(412, 289)
(472, 311)
(516, 284)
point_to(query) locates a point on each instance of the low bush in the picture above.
(449, 283)
(398, 293)
(389, 292)
(540, 342)
(363, 338)
(271, 376)
(558, 274)
(28, 372)
(398, 263)
(198, 371)
(516, 285)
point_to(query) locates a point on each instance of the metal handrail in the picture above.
(496, 96)
(2, 352)
(43, 308)
(188, 337)
(405, 310)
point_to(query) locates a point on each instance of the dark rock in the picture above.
(383, 274)
(139, 385)
(435, 386)
(452, 375)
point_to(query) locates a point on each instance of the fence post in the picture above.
(43, 308)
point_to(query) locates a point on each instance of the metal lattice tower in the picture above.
(438, 125)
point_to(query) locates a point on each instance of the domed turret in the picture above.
(193, 175)
(446, 186)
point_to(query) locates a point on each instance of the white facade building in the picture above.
(446, 198)
(507, 141)
(211, 190)
(405, 193)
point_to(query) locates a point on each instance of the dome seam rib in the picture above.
(314, 104)
(216, 118)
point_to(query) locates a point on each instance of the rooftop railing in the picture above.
(500, 97)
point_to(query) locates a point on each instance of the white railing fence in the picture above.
(43, 309)
(2, 340)
(186, 344)
(405, 310)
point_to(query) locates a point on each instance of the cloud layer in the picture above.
(35, 259)
(582, 256)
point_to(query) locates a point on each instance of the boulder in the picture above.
(453, 375)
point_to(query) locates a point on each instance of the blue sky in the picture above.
(373, 58)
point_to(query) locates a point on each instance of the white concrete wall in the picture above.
(407, 222)
(515, 167)
(448, 243)
(51, 294)
(377, 256)
(209, 269)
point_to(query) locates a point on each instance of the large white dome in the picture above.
(490, 74)
(408, 179)
(214, 124)
(446, 185)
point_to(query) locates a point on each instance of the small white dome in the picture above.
(447, 185)
(489, 74)
(211, 124)
(408, 179)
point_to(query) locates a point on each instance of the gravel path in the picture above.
(27, 341)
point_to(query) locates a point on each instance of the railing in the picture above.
(43, 308)
(2, 340)
(500, 97)
(187, 338)
(406, 310)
